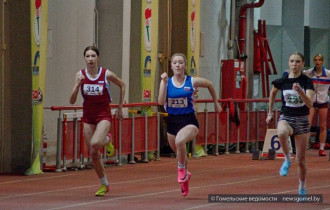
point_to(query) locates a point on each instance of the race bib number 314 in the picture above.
(178, 102)
(90, 89)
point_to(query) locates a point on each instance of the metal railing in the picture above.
(215, 129)
(116, 127)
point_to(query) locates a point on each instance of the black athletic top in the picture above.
(292, 103)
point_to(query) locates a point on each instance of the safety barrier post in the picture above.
(216, 152)
(257, 143)
(238, 136)
(247, 130)
(266, 112)
(275, 120)
(75, 142)
(89, 159)
(158, 137)
(82, 144)
(65, 129)
(119, 146)
(227, 144)
(102, 155)
(145, 159)
(133, 140)
(58, 143)
(44, 153)
(193, 146)
(206, 127)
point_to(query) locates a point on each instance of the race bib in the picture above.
(177, 102)
(292, 98)
(90, 89)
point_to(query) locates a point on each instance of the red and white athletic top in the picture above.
(321, 84)
(96, 94)
(95, 91)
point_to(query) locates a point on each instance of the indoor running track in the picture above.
(153, 185)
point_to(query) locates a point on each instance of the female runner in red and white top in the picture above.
(94, 83)
(321, 81)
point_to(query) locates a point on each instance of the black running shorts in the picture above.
(176, 122)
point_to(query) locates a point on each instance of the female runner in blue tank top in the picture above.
(182, 126)
(297, 97)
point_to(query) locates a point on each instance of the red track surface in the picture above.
(153, 185)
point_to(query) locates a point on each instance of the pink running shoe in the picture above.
(185, 185)
(182, 175)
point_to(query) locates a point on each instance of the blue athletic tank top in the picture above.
(180, 99)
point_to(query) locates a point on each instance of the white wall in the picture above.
(70, 28)
(319, 25)
(285, 29)
(215, 21)
(318, 13)
(271, 11)
(111, 39)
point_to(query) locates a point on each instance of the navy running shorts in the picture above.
(176, 122)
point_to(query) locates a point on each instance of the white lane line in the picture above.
(81, 187)
(36, 179)
(283, 192)
(117, 183)
(124, 182)
(157, 193)
(73, 173)
(309, 188)
(202, 206)
(138, 180)
(169, 191)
